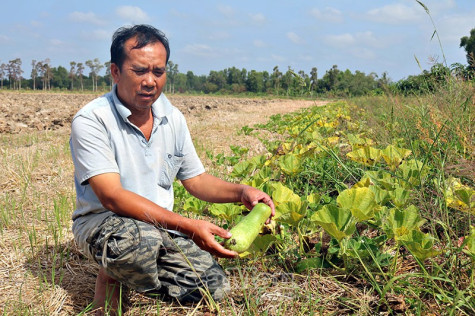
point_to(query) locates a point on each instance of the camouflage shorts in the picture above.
(153, 261)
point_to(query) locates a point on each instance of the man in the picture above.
(127, 147)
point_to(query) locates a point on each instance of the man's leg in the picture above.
(188, 273)
(128, 249)
(149, 260)
(107, 294)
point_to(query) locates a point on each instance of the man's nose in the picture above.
(148, 80)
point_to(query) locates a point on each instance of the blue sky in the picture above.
(365, 35)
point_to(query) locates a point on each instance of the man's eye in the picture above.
(140, 72)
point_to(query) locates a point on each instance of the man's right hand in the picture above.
(203, 232)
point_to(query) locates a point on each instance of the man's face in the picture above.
(142, 77)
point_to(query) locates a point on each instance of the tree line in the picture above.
(45, 77)
(288, 82)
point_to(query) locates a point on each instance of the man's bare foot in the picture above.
(107, 295)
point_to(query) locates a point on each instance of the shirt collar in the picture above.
(160, 108)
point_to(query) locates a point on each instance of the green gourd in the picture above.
(244, 233)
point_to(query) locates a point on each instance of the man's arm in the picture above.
(212, 189)
(115, 198)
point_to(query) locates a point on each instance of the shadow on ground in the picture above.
(65, 276)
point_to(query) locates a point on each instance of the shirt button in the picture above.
(169, 156)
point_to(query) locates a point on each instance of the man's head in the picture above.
(139, 57)
(144, 34)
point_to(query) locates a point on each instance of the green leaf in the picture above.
(413, 172)
(458, 196)
(290, 164)
(465, 195)
(283, 194)
(381, 196)
(309, 264)
(256, 182)
(219, 159)
(368, 249)
(419, 244)
(360, 201)
(365, 182)
(401, 222)
(239, 151)
(356, 141)
(382, 179)
(471, 242)
(393, 156)
(337, 222)
(400, 196)
(194, 205)
(368, 156)
(314, 198)
(290, 213)
(289, 207)
(227, 211)
(242, 169)
(258, 160)
(246, 130)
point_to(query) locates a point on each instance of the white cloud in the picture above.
(179, 14)
(258, 18)
(368, 39)
(259, 43)
(56, 42)
(341, 40)
(306, 58)
(328, 15)
(360, 39)
(4, 38)
(395, 14)
(97, 35)
(440, 6)
(45, 14)
(219, 35)
(132, 14)
(86, 17)
(454, 27)
(358, 45)
(200, 50)
(226, 10)
(36, 24)
(101, 35)
(362, 53)
(278, 58)
(59, 46)
(294, 38)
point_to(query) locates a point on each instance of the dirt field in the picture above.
(213, 121)
(41, 271)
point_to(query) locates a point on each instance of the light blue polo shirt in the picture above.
(103, 140)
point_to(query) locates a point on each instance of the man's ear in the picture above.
(115, 72)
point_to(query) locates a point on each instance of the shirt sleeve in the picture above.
(191, 165)
(90, 149)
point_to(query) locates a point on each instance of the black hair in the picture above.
(146, 34)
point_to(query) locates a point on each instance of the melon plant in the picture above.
(244, 233)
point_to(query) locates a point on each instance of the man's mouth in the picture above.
(146, 95)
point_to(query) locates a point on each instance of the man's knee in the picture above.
(192, 272)
(127, 249)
